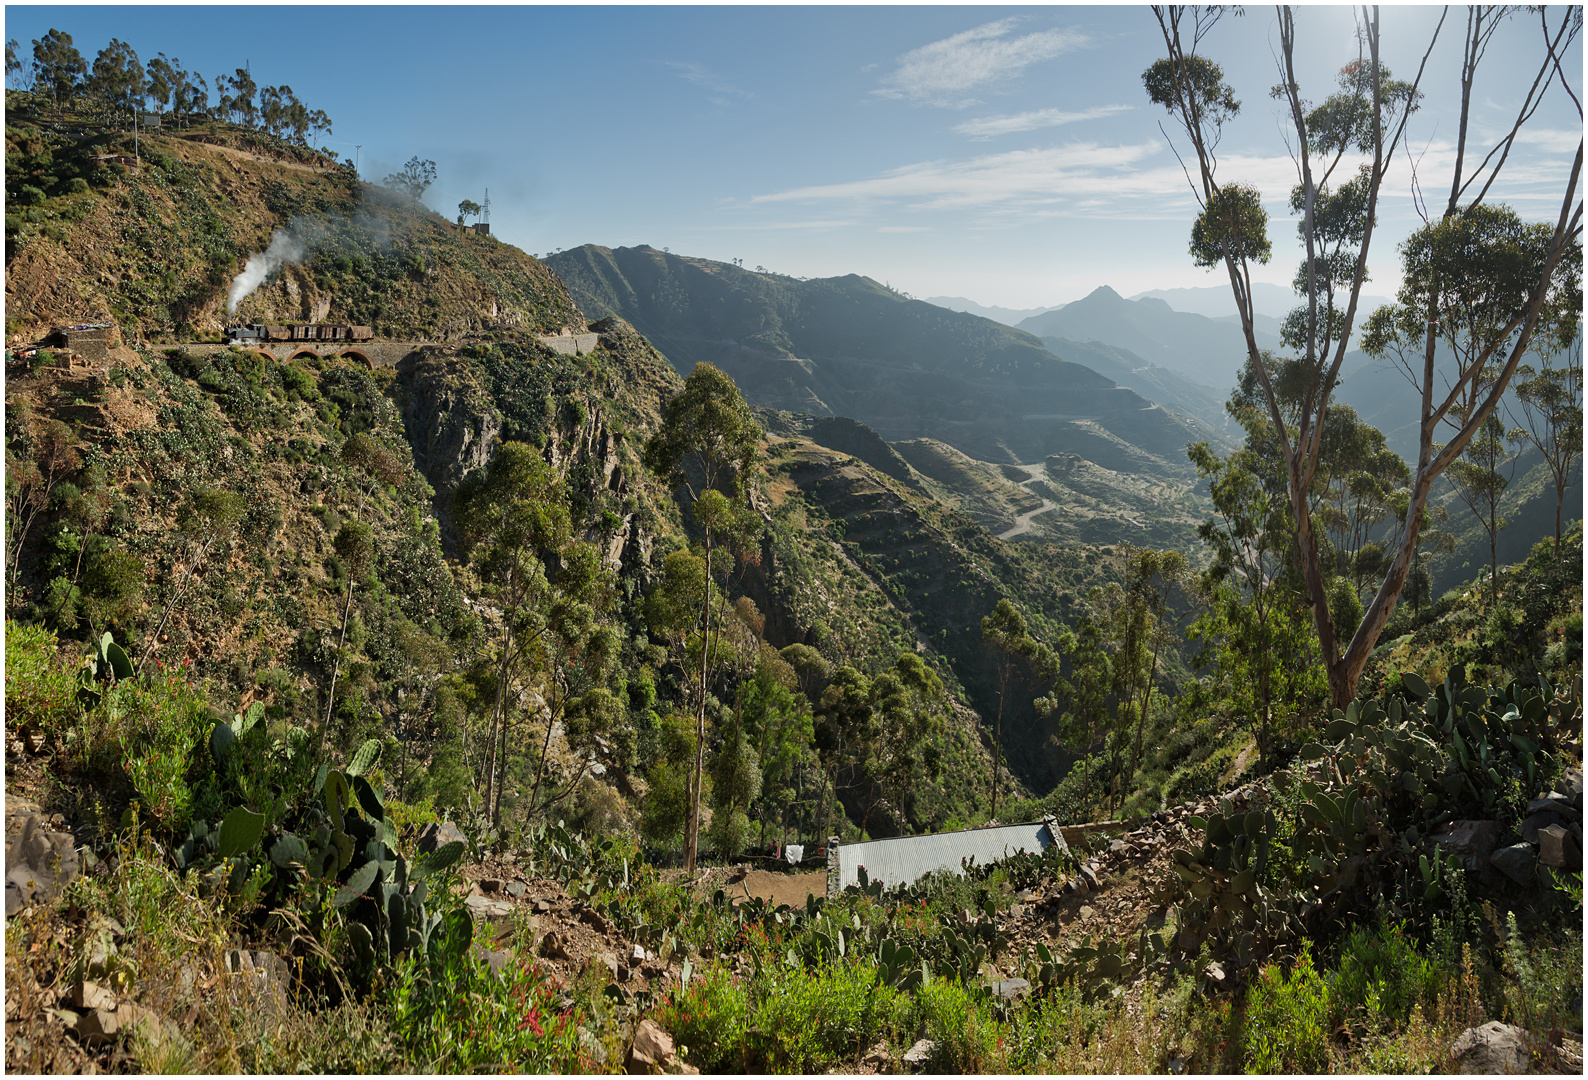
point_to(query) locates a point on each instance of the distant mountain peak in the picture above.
(1103, 292)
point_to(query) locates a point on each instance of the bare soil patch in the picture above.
(775, 889)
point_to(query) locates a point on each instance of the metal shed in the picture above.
(901, 860)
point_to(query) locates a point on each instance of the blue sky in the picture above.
(1008, 155)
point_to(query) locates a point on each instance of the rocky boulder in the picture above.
(1473, 842)
(437, 834)
(1493, 1049)
(1516, 862)
(38, 860)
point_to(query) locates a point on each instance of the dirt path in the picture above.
(249, 155)
(1023, 521)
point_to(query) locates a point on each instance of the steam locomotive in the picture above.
(260, 334)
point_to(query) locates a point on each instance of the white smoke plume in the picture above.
(284, 249)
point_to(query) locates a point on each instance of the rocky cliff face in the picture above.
(450, 421)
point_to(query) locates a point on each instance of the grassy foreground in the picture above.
(849, 983)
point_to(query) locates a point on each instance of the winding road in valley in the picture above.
(1023, 521)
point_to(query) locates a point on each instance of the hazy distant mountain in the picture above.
(1149, 380)
(1215, 301)
(1196, 347)
(1271, 303)
(848, 346)
(1007, 316)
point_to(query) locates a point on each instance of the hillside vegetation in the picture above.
(153, 246)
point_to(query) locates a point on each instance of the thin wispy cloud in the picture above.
(945, 72)
(1550, 141)
(1016, 177)
(706, 79)
(989, 126)
(817, 223)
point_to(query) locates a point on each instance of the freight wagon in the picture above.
(260, 334)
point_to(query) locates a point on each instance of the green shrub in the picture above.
(299, 384)
(160, 723)
(40, 688)
(1287, 1019)
(1382, 973)
(710, 1020)
(456, 1015)
(1543, 984)
(815, 1020)
(966, 1038)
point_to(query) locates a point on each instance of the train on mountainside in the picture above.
(260, 334)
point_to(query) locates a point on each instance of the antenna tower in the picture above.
(485, 211)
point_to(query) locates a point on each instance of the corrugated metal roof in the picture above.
(902, 859)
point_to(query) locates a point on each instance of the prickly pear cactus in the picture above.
(1376, 784)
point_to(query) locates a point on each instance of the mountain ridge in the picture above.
(849, 346)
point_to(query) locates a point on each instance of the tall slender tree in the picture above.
(514, 521)
(1449, 261)
(58, 67)
(1020, 658)
(1478, 479)
(707, 446)
(1551, 404)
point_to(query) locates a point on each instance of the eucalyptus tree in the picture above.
(1474, 259)
(370, 463)
(573, 659)
(1478, 481)
(514, 523)
(908, 701)
(117, 79)
(1255, 630)
(1019, 657)
(1551, 404)
(881, 730)
(736, 779)
(1082, 674)
(58, 67)
(1132, 616)
(777, 716)
(708, 445)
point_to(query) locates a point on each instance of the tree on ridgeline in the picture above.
(117, 80)
(414, 180)
(58, 68)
